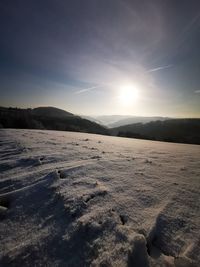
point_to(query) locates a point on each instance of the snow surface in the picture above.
(76, 199)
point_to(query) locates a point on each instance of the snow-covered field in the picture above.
(75, 199)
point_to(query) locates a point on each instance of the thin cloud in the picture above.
(160, 68)
(197, 92)
(87, 89)
(94, 87)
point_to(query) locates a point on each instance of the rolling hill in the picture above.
(175, 130)
(112, 121)
(51, 112)
(48, 118)
(51, 118)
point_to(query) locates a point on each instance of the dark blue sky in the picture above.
(78, 55)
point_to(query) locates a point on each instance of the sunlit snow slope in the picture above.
(75, 199)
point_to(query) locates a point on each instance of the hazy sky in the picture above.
(79, 54)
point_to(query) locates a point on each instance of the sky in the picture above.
(82, 55)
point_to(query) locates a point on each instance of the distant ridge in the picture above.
(174, 130)
(51, 118)
(51, 112)
(48, 118)
(112, 121)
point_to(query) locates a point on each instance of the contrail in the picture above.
(160, 68)
(87, 89)
(94, 87)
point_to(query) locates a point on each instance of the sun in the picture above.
(128, 95)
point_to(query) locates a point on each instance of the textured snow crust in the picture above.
(76, 199)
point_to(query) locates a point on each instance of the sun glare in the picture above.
(128, 95)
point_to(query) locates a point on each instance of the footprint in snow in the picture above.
(148, 161)
(96, 157)
(4, 206)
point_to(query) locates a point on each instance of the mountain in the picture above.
(51, 118)
(109, 119)
(112, 121)
(174, 130)
(94, 119)
(135, 119)
(51, 112)
(48, 118)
